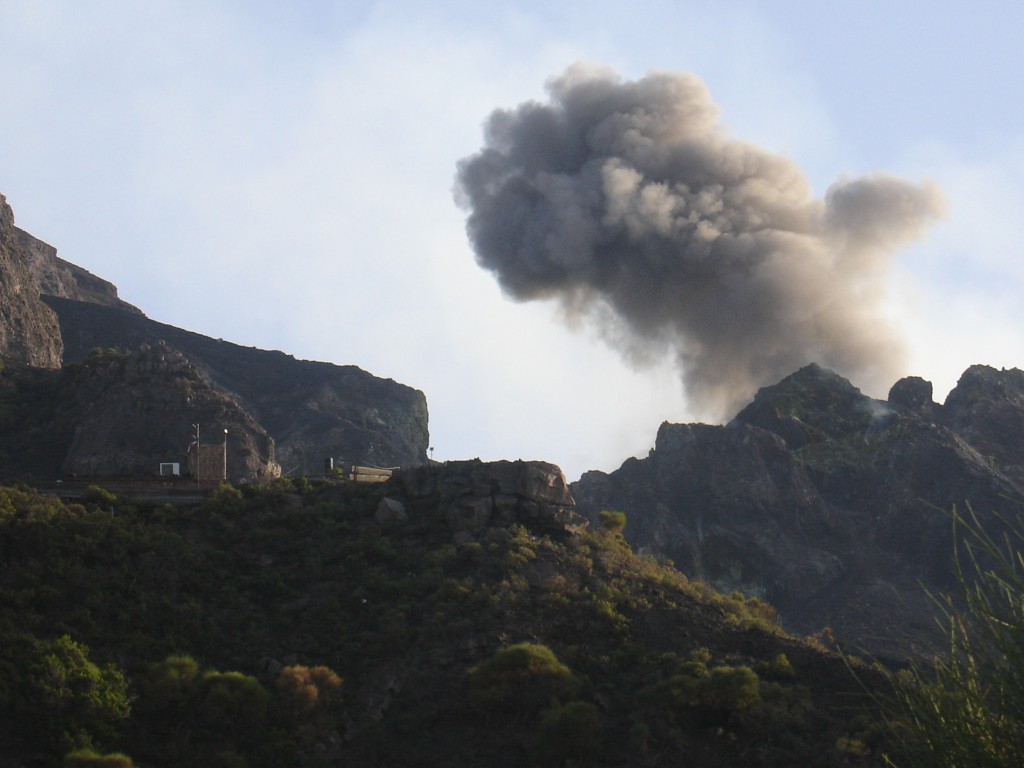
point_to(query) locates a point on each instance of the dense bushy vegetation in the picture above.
(290, 626)
(965, 707)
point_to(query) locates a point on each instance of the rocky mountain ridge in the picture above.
(313, 410)
(295, 414)
(833, 506)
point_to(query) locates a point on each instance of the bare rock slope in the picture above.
(832, 505)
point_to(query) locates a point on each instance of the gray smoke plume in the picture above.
(630, 204)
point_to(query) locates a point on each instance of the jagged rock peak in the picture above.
(912, 393)
(984, 381)
(810, 405)
(986, 408)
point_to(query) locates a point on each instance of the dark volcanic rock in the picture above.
(132, 412)
(29, 332)
(832, 505)
(313, 410)
(811, 405)
(479, 496)
(729, 505)
(986, 408)
(121, 415)
(912, 393)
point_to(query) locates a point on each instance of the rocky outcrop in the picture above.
(832, 505)
(133, 412)
(29, 332)
(477, 497)
(912, 393)
(313, 410)
(986, 408)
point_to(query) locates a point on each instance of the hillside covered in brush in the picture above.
(457, 615)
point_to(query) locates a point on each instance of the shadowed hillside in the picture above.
(457, 615)
(313, 410)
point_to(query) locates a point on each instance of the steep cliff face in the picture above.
(57, 277)
(832, 505)
(313, 410)
(29, 332)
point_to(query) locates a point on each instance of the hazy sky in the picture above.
(281, 175)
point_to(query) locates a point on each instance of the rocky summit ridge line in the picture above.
(831, 505)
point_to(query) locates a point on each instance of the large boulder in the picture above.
(476, 496)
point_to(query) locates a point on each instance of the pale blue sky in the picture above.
(280, 175)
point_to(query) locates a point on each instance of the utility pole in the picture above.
(225, 454)
(196, 454)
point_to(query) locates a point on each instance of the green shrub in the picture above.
(100, 496)
(613, 522)
(521, 678)
(171, 684)
(232, 701)
(778, 668)
(698, 696)
(71, 698)
(727, 690)
(225, 500)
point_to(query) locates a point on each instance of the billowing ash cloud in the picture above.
(630, 204)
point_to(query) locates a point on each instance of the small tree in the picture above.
(611, 521)
(522, 678)
(72, 698)
(966, 707)
(232, 703)
(306, 689)
(309, 702)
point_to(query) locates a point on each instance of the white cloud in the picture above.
(960, 295)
